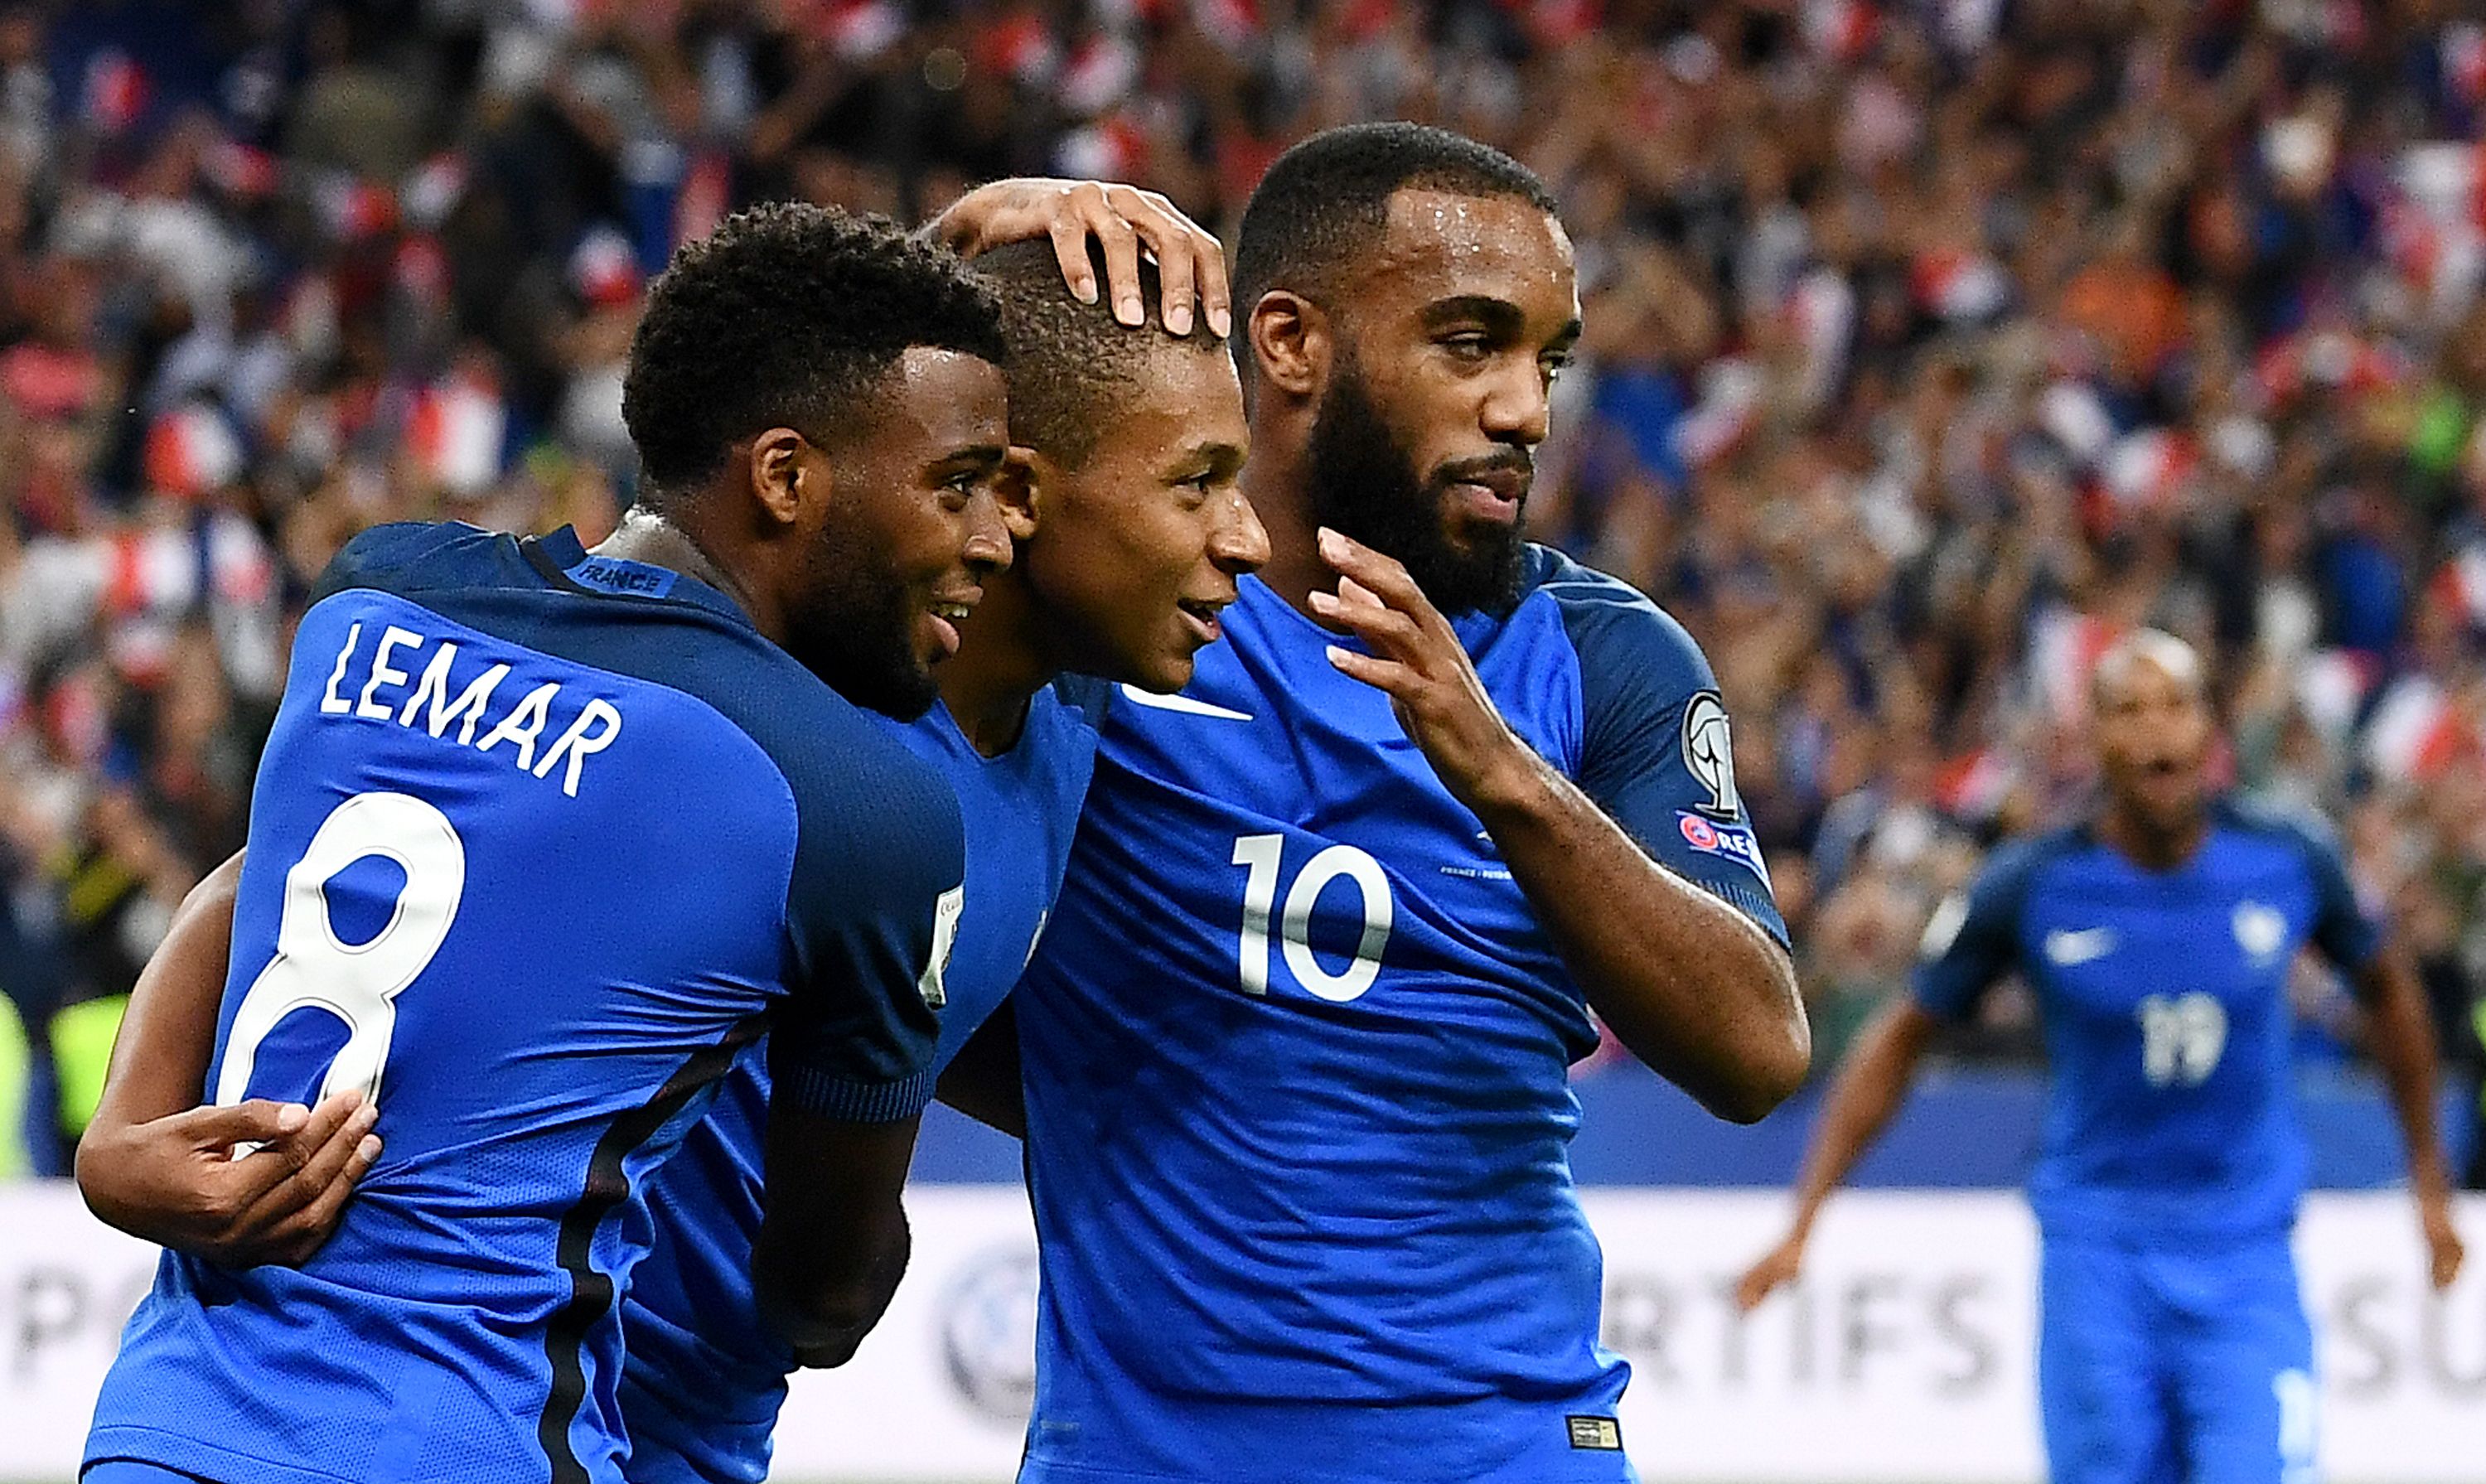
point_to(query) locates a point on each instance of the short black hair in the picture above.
(1074, 365)
(787, 316)
(1325, 203)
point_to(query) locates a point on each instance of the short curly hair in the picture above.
(788, 315)
(1073, 367)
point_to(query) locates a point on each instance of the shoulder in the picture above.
(402, 556)
(859, 789)
(1615, 625)
(2282, 824)
(2013, 869)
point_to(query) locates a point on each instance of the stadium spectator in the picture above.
(1931, 347)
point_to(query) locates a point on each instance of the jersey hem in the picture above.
(135, 1443)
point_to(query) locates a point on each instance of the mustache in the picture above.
(1515, 462)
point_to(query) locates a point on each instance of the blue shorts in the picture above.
(2174, 1365)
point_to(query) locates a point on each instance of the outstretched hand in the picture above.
(1419, 661)
(1122, 219)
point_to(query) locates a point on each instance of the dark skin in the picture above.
(931, 478)
(1459, 324)
(2153, 732)
(1149, 522)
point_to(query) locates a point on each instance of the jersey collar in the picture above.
(560, 557)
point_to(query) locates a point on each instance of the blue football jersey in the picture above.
(2163, 998)
(703, 1379)
(541, 843)
(1296, 1056)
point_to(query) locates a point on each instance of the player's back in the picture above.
(520, 859)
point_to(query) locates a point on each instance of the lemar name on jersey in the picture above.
(591, 726)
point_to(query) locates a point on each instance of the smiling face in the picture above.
(1447, 346)
(898, 552)
(2153, 735)
(1138, 545)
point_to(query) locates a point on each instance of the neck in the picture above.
(988, 683)
(662, 540)
(2149, 845)
(1277, 479)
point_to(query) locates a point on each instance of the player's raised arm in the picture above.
(1690, 981)
(1121, 219)
(159, 1167)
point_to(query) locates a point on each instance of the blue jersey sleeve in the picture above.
(1973, 938)
(1654, 751)
(2341, 930)
(878, 888)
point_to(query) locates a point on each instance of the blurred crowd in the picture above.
(1931, 345)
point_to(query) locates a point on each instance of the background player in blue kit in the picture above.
(1295, 1042)
(555, 834)
(2158, 939)
(1134, 441)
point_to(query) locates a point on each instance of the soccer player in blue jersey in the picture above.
(1134, 440)
(544, 838)
(1295, 1042)
(2157, 938)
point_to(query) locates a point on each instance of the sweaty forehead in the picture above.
(1441, 244)
(935, 401)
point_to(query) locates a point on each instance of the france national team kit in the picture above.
(1296, 1053)
(2172, 1160)
(542, 842)
(703, 1379)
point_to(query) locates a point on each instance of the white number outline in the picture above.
(1264, 857)
(358, 983)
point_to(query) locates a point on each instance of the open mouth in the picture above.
(1202, 616)
(947, 613)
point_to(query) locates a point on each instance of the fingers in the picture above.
(282, 1160)
(1385, 577)
(1384, 674)
(1190, 262)
(257, 1122)
(1070, 252)
(1121, 243)
(1355, 608)
(317, 1168)
(2447, 1258)
(300, 1235)
(1764, 1279)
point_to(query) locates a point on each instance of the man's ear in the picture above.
(1026, 475)
(781, 479)
(1290, 340)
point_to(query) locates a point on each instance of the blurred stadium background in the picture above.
(1931, 344)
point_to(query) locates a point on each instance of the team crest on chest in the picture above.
(2261, 930)
(1709, 753)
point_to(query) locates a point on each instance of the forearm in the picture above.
(2402, 1037)
(1866, 1092)
(834, 1243)
(823, 1317)
(1688, 984)
(159, 1060)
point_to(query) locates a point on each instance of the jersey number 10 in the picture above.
(356, 982)
(1263, 855)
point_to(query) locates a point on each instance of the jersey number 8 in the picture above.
(1262, 855)
(357, 982)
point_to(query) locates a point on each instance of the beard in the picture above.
(1365, 486)
(855, 627)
